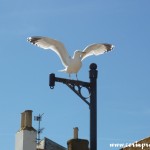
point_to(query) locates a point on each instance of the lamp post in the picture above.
(91, 86)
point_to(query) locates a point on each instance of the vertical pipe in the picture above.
(22, 120)
(93, 106)
(76, 132)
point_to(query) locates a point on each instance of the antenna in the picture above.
(39, 131)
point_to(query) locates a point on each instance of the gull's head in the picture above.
(78, 53)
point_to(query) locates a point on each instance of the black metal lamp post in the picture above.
(91, 86)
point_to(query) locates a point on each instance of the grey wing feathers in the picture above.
(48, 43)
(96, 49)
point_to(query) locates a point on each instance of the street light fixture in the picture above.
(76, 86)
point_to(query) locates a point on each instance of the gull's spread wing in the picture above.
(48, 43)
(96, 49)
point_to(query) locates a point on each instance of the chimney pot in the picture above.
(26, 119)
(22, 120)
(76, 132)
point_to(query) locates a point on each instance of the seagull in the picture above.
(72, 64)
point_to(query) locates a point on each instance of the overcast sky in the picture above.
(123, 74)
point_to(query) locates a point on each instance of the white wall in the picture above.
(25, 140)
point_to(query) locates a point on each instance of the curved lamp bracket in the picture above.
(74, 85)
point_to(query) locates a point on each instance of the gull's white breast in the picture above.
(74, 66)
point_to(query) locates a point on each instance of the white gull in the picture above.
(71, 64)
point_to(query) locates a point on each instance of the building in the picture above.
(47, 144)
(27, 135)
(26, 138)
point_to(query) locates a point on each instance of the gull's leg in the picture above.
(76, 76)
(69, 76)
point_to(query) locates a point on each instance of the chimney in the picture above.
(26, 136)
(77, 144)
(26, 119)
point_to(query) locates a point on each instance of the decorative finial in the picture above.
(93, 66)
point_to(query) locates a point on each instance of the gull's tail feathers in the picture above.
(63, 70)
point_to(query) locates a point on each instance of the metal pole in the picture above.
(93, 106)
(92, 88)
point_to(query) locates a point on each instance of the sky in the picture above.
(123, 97)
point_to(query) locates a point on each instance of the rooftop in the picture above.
(47, 144)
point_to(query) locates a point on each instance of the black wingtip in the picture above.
(28, 39)
(112, 46)
(109, 47)
(33, 40)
